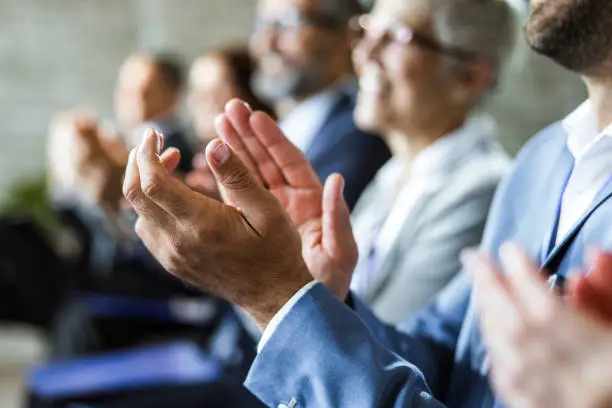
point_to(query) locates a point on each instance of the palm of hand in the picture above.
(326, 262)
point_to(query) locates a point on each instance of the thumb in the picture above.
(171, 159)
(338, 240)
(238, 186)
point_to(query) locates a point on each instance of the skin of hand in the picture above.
(542, 352)
(248, 252)
(82, 159)
(318, 211)
(592, 291)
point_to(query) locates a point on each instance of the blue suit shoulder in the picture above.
(341, 147)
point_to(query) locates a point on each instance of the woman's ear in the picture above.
(472, 80)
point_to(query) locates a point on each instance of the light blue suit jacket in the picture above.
(323, 354)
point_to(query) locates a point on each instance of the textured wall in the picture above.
(60, 53)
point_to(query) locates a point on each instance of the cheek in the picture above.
(408, 75)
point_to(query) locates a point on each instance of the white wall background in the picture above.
(56, 54)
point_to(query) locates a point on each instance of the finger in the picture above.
(228, 133)
(600, 271)
(493, 299)
(529, 291)
(338, 239)
(171, 159)
(289, 159)
(156, 183)
(133, 192)
(239, 115)
(239, 186)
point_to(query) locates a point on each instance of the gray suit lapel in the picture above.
(392, 260)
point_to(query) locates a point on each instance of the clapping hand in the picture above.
(318, 211)
(248, 252)
(543, 352)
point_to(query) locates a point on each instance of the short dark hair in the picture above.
(341, 10)
(242, 68)
(171, 69)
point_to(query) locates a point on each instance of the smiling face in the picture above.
(296, 54)
(574, 33)
(402, 86)
(141, 93)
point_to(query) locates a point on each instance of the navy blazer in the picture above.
(323, 354)
(340, 147)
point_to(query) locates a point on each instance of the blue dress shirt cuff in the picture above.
(284, 311)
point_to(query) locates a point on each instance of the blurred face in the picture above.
(575, 33)
(405, 83)
(296, 47)
(211, 86)
(141, 94)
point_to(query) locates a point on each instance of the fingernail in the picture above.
(221, 153)
(160, 141)
(247, 106)
(342, 185)
(149, 134)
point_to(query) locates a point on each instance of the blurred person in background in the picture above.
(214, 79)
(86, 166)
(147, 95)
(303, 53)
(421, 86)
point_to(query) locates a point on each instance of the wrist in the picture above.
(269, 302)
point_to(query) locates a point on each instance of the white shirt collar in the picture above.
(434, 162)
(306, 119)
(582, 130)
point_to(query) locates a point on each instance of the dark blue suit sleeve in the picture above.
(357, 156)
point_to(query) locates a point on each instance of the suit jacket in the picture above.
(447, 217)
(181, 141)
(323, 354)
(340, 147)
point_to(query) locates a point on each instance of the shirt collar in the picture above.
(441, 157)
(582, 129)
(306, 119)
(444, 153)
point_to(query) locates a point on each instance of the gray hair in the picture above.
(487, 28)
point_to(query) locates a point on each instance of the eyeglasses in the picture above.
(293, 20)
(388, 31)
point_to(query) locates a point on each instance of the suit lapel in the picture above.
(389, 262)
(327, 134)
(558, 251)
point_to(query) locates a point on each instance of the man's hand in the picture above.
(82, 159)
(247, 253)
(543, 353)
(319, 212)
(592, 292)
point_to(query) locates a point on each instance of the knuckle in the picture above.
(131, 191)
(152, 186)
(237, 179)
